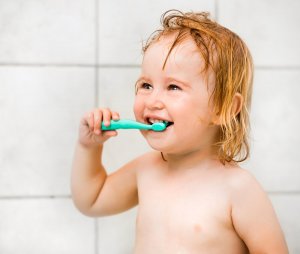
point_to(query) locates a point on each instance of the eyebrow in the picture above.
(142, 78)
(139, 79)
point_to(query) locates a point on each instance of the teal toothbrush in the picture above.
(130, 124)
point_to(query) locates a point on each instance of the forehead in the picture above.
(185, 53)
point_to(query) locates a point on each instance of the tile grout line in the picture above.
(282, 193)
(28, 197)
(96, 235)
(96, 102)
(82, 65)
(16, 197)
(96, 66)
(68, 65)
(216, 7)
(279, 67)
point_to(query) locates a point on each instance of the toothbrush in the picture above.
(130, 124)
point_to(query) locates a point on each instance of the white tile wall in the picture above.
(287, 208)
(275, 129)
(124, 25)
(50, 226)
(47, 31)
(47, 81)
(40, 111)
(270, 28)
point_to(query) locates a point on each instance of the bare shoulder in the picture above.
(240, 180)
(245, 190)
(142, 160)
(253, 215)
(152, 156)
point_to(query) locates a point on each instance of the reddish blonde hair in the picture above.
(228, 56)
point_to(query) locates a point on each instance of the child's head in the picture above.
(226, 56)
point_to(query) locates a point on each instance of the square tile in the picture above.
(270, 29)
(41, 109)
(47, 226)
(47, 31)
(287, 208)
(117, 233)
(122, 30)
(116, 89)
(275, 133)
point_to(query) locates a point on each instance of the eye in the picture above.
(173, 87)
(145, 86)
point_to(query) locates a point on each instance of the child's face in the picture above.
(179, 93)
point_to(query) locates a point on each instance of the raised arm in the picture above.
(254, 218)
(93, 191)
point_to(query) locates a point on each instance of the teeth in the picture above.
(152, 120)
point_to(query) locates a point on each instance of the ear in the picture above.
(237, 104)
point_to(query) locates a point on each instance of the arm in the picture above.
(254, 218)
(93, 191)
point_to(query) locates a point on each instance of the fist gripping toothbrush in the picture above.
(130, 124)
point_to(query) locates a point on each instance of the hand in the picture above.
(90, 134)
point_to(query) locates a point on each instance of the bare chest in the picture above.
(191, 214)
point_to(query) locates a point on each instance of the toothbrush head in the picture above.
(158, 126)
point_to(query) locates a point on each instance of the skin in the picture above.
(190, 203)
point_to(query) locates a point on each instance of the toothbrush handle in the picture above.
(125, 124)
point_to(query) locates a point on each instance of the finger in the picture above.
(107, 115)
(110, 133)
(91, 121)
(97, 121)
(115, 116)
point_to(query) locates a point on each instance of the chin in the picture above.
(164, 147)
(166, 142)
(158, 145)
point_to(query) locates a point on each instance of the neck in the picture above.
(192, 159)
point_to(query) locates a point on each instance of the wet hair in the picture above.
(226, 54)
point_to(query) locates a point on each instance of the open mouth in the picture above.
(152, 121)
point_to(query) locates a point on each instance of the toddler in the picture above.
(192, 195)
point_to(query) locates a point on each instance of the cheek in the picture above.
(205, 118)
(195, 115)
(137, 107)
(203, 110)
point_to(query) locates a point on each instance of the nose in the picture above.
(154, 101)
